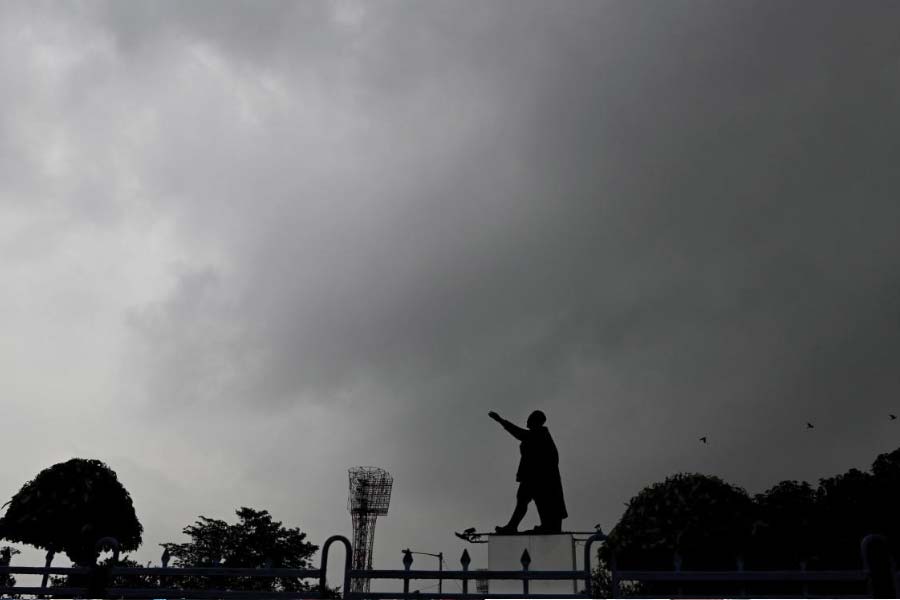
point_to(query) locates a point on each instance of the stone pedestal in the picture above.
(552, 552)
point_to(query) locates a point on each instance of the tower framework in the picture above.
(370, 495)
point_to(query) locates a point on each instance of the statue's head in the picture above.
(536, 419)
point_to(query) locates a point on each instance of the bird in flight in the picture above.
(703, 439)
(893, 417)
(809, 425)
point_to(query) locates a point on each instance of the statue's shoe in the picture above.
(505, 529)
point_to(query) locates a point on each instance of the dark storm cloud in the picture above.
(653, 220)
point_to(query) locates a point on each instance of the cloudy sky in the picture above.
(245, 246)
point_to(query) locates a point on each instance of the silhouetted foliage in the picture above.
(130, 581)
(886, 488)
(845, 511)
(688, 514)
(784, 533)
(710, 523)
(700, 518)
(601, 583)
(68, 507)
(255, 541)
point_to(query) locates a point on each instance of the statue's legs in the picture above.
(524, 495)
(550, 518)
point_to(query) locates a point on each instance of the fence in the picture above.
(99, 578)
(879, 574)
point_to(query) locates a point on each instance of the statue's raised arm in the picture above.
(514, 430)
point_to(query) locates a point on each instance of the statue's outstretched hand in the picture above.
(494, 416)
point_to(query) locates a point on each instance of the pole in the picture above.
(440, 557)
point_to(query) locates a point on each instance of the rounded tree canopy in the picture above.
(68, 507)
(689, 514)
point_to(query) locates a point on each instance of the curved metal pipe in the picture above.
(588, 575)
(348, 556)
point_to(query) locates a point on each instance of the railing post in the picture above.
(740, 567)
(407, 563)
(526, 560)
(464, 560)
(676, 560)
(805, 589)
(877, 563)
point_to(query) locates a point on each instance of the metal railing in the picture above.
(101, 576)
(879, 574)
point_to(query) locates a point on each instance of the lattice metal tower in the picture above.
(370, 494)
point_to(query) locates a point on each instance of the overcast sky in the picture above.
(245, 246)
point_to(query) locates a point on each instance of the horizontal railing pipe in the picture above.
(743, 576)
(176, 593)
(470, 575)
(451, 596)
(217, 572)
(47, 570)
(66, 592)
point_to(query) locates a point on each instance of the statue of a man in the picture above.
(538, 475)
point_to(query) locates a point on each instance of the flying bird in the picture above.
(893, 417)
(809, 425)
(703, 439)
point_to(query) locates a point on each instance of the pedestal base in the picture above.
(550, 552)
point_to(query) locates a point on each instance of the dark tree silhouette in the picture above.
(793, 524)
(846, 513)
(784, 532)
(700, 518)
(255, 541)
(688, 514)
(784, 535)
(886, 487)
(68, 507)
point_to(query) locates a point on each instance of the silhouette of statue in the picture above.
(538, 475)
